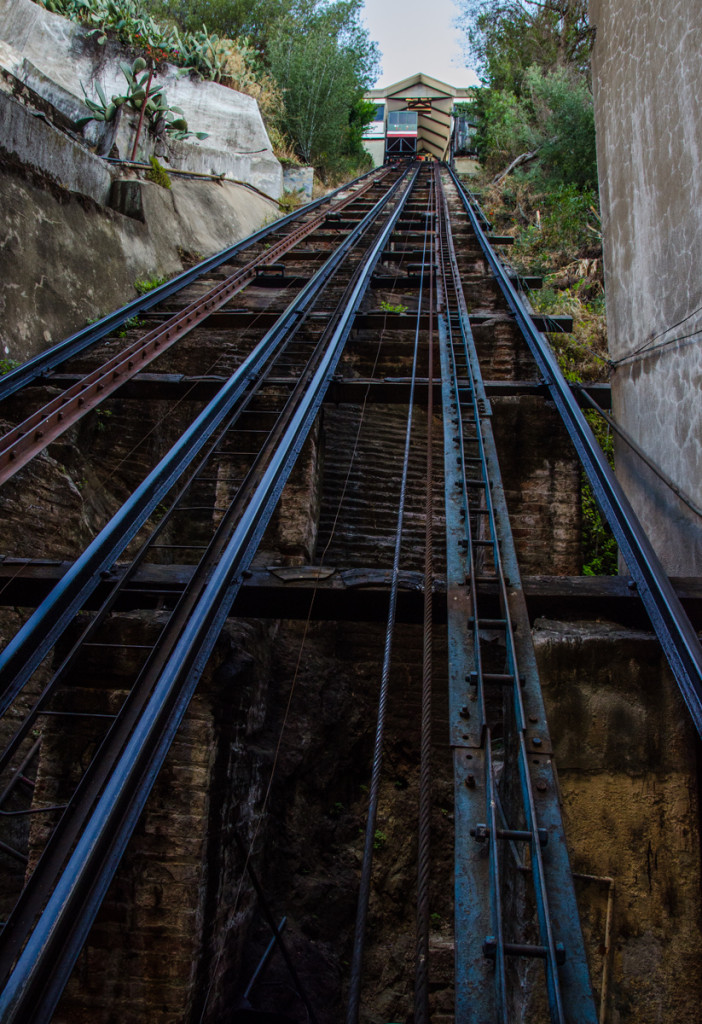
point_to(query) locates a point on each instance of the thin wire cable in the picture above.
(208, 372)
(643, 353)
(421, 983)
(308, 621)
(374, 789)
(650, 346)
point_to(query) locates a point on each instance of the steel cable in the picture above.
(298, 664)
(421, 982)
(286, 715)
(374, 789)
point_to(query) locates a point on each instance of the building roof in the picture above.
(420, 84)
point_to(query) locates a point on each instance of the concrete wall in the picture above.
(63, 259)
(647, 68)
(376, 149)
(35, 142)
(625, 751)
(299, 179)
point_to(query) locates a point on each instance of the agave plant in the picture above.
(161, 117)
(199, 52)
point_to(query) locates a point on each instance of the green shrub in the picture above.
(148, 285)
(600, 552)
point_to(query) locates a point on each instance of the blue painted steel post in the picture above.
(568, 986)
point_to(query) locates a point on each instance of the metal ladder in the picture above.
(515, 902)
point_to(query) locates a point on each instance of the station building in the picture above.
(414, 117)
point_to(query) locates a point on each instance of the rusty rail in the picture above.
(28, 438)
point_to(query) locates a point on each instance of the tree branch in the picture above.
(523, 158)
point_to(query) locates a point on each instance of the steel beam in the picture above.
(353, 595)
(386, 390)
(478, 540)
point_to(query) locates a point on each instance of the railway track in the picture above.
(206, 503)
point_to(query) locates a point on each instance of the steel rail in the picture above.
(43, 363)
(123, 583)
(33, 641)
(69, 828)
(53, 943)
(33, 434)
(677, 636)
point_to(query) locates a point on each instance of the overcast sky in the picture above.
(417, 35)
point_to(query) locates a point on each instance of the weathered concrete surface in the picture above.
(299, 179)
(541, 480)
(63, 260)
(626, 756)
(647, 66)
(34, 141)
(54, 56)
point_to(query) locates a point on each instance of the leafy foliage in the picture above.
(534, 59)
(503, 127)
(254, 20)
(322, 58)
(160, 116)
(146, 285)
(565, 119)
(504, 38)
(600, 553)
(306, 62)
(553, 116)
(195, 51)
(290, 201)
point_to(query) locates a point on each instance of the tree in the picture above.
(564, 113)
(552, 120)
(322, 58)
(504, 38)
(536, 104)
(255, 20)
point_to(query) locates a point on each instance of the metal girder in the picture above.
(489, 913)
(390, 390)
(350, 595)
